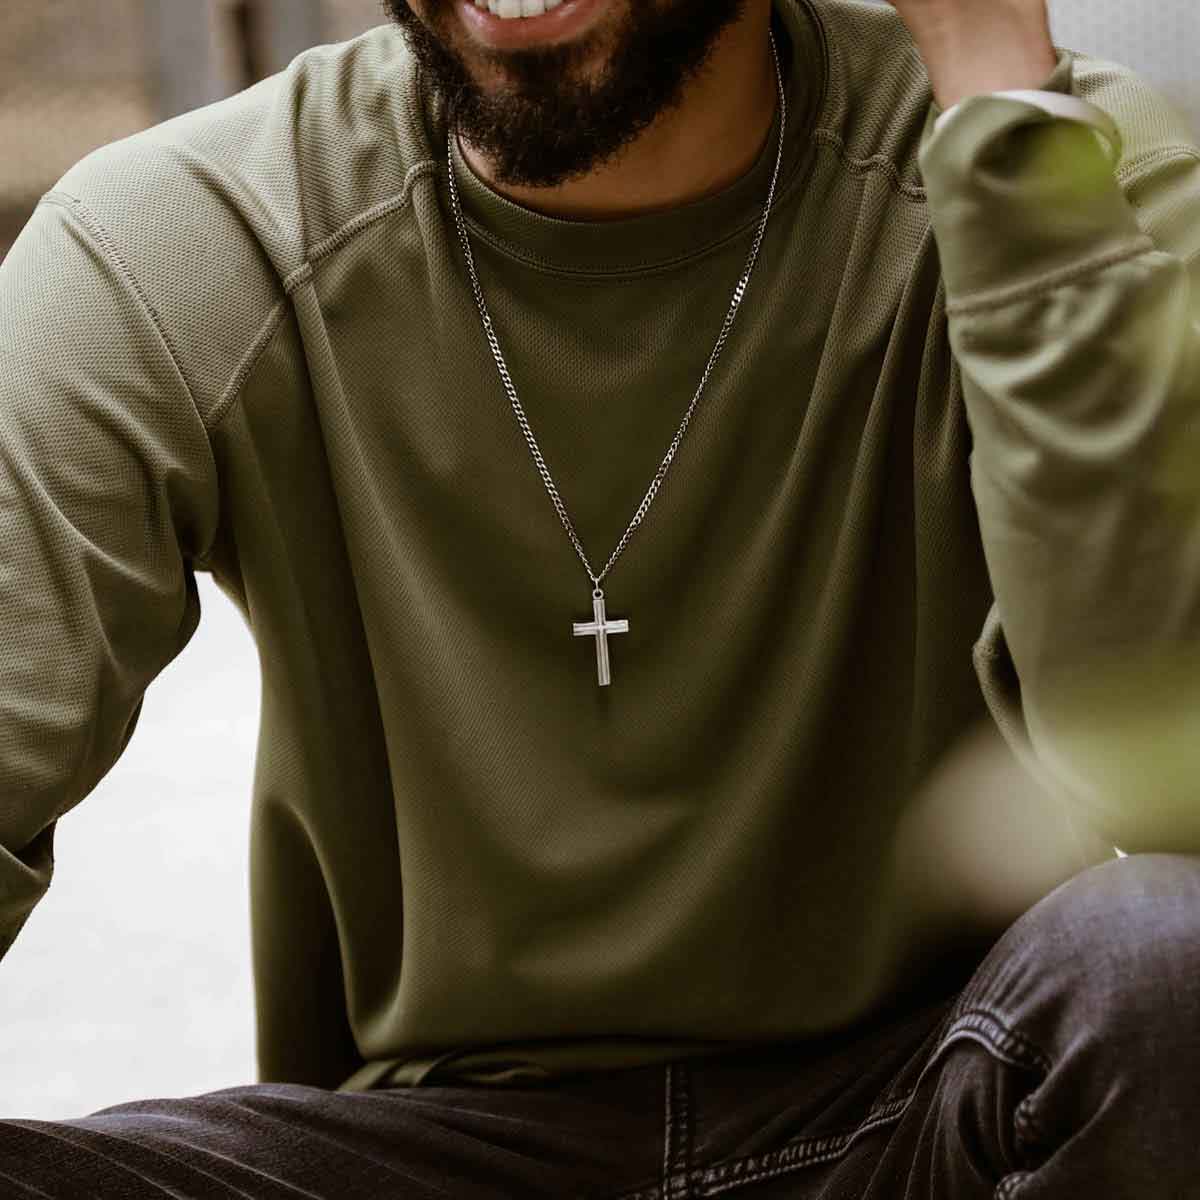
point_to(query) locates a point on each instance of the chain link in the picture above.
(523, 422)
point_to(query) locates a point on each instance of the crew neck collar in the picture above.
(660, 238)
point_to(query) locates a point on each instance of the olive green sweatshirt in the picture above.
(943, 472)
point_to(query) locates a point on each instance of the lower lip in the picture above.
(565, 21)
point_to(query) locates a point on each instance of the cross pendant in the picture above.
(599, 628)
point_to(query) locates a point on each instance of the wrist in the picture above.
(998, 53)
(1002, 72)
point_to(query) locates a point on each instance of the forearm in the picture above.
(1078, 339)
(973, 49)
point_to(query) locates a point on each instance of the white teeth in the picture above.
(508, 10)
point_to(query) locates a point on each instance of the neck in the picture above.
(694, 151)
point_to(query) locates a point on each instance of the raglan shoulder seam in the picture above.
(81, 212)
(362, 220)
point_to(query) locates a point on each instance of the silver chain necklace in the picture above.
(600, 626)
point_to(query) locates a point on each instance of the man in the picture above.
(618, 823)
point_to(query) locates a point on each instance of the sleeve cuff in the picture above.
(1017, 193)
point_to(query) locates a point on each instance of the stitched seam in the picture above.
(990, 1032)
(986, 1021)
(981, 1025)
(821, 1148)
(1030, 1132)
(1128, 177)
(91, 222)
(230, 393)
(76, 208)
(676, 1183)
(651, 1193)
(1045, 284)
(377, 212)
(988, 1028)
(876, 164)
(1128, 174)
(667, 1126)
(1007, 1187)
(690, 1146)
(627, 274)
(1023, 1120)
(798, 1153)
(433, 167)
(934, 1038)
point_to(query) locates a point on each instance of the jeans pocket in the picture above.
(760, 1116)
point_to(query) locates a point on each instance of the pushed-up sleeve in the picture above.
(108, 496)
(1073, 310)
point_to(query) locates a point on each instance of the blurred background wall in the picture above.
(76, 74)
(132, 977)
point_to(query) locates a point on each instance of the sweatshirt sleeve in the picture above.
(107, 495)
(1073, 311)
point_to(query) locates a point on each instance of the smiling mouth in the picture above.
(499, 23)
(515, 10)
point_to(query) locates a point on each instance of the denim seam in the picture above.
(979, 1023)
(668, 1131)
(1028, 1129)
(888, 1096)
(985, 1026)
(801, 1152)
(1009, 1041)
(652, 1193)
(676, 1172)
(1012, 1042)
(1006, 1189)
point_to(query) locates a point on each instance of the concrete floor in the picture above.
(132, 978)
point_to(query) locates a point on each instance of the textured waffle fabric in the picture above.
(952, 415)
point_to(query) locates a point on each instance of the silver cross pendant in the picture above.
(599, 628)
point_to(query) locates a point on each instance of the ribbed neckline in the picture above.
(661, 238)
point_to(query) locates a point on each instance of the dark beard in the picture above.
(550, 122)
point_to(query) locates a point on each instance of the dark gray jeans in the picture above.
(1067, 1065)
